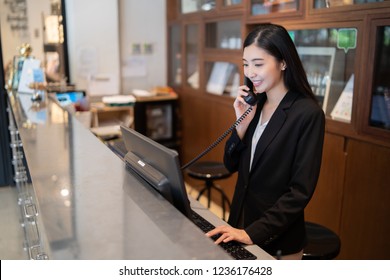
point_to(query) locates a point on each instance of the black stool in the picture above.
(209, 171)
(323, 244)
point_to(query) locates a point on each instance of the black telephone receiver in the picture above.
(251, 98)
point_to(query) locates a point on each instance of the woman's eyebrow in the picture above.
(255, 59)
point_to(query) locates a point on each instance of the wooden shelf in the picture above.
(103, 115)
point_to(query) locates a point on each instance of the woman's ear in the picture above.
(283, 65)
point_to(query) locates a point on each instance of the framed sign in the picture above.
(318, 63)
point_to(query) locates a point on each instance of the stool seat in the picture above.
(209, 171)
(323, 244)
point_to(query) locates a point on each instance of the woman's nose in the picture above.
(251, 74)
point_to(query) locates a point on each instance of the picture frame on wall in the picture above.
(318, 63)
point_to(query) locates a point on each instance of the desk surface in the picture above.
(90, 205)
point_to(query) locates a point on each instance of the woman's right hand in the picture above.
(240, 106)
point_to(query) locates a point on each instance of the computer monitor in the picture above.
(157, 165)
(69, 97)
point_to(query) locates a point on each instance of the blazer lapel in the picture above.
(273, 127)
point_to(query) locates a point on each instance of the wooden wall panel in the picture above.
(204, 121)
(325, 206)
(365, 219)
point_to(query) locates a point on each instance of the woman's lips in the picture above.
(257, 83)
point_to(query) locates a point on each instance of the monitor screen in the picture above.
(69, 97)
(157, 165)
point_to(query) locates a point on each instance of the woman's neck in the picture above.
(275, 96)
(274, 101)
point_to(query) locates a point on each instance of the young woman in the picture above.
(276, 149)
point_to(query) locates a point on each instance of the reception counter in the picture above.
(79, 201)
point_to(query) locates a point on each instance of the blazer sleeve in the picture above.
(233, 148)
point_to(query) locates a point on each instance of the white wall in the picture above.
(93, 42)
(107, 30)
(143, 22)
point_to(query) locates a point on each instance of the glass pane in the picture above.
(319, 4)
(223, 34)
(380, 103)
(191, 6)
(231, 2)
(192, 71)
(159, 121)
(223, 78)
(175, 56)
(328, 56)
(261, 7)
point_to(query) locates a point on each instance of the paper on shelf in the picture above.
(219, 77)
(118, 99)
(343, 109)
(142, 93)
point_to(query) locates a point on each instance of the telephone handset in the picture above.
(252, 100)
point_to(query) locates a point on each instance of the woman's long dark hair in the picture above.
(275, 40)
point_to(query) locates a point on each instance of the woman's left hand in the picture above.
(229, 233)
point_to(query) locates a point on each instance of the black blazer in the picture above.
(271, 197)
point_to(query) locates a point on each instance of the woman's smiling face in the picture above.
(262, 69)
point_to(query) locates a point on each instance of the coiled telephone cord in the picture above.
(220, 138)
